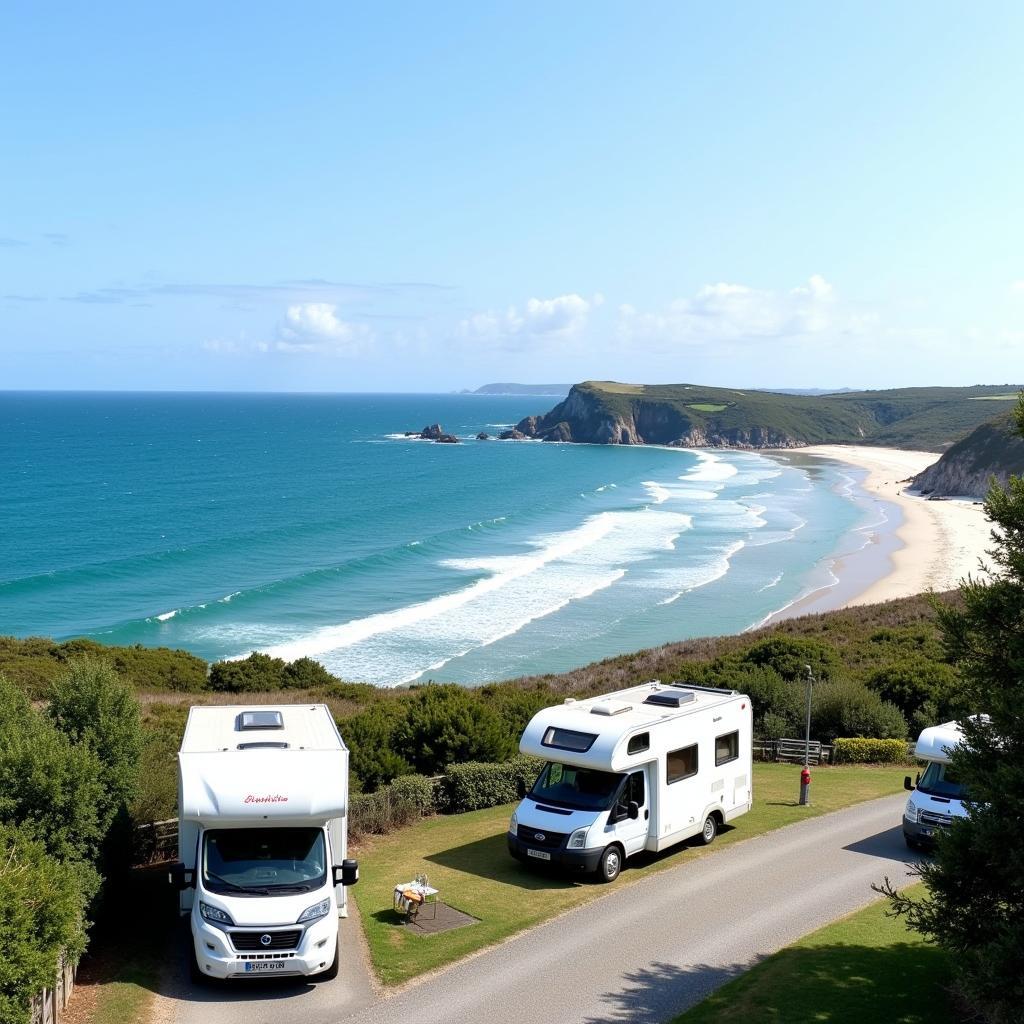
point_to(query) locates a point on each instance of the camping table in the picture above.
(429, 894)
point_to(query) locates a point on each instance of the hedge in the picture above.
(477, 784)
(867, 751)
(393, 806)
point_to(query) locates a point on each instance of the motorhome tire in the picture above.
(710, 830)
(332, 972)
(196, 976)
(610, 864)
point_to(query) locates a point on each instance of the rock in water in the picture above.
(432, 433)
(483, 436)
(446, 439)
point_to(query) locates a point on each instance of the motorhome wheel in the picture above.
(710, 830)
(332, 972)
(195, 973)
(610, 865)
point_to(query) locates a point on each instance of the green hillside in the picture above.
(610, 412)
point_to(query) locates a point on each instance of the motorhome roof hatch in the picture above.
(260, 720)
(669, 700)
(611, 707)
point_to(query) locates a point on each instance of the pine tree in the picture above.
(975, 903)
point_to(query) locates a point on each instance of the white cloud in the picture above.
(562, 317)
(1017, 287)
(316, 327)
(726, 312)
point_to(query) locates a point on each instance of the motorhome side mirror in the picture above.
(907, 784)
(181, 877)
(633, 810)
(346, 873)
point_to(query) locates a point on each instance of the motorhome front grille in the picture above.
(540, 837)
(931, 818)
(278, 940)
(265, 956)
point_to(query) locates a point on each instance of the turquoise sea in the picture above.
(306, 525)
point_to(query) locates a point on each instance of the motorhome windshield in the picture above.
(940, 780)
(582, 789)
(264, 861)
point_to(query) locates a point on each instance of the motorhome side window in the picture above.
(638, 743)
(566, 739)
(681, 764)
(727, 748)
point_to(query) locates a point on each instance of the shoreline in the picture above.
(925, 545)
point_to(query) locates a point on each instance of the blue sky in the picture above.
(430, 197)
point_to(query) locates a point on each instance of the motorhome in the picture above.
(262, 836)
(641, 769)
(939, 796)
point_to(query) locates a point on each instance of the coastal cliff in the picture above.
(994, 449)
(693, 416)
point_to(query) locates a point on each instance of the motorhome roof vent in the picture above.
(669, 700)
(610, 707)
(259, 720)
(262, 744)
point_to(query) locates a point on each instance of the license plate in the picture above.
(264, 966)
(539, 854)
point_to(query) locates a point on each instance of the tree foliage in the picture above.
(41, 909)
(975, 904)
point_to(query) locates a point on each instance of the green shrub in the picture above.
(259, 673)
(861, 750)
(41, 908)
(370, 736)
(446, 724)
(391, 807)
(843, 707)
(306, 674)
(790, 656)
(474, 785)
(92, 705)
(924, 690)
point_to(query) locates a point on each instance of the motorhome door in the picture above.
(632, 832)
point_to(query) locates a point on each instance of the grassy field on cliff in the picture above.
(929, 419)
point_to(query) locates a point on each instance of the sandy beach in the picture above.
(934, 546)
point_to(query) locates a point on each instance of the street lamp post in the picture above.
(805, 774)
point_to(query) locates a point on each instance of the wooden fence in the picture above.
(793, 751)
(156, 841)
(49, 1005)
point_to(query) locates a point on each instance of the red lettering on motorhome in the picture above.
(274, 798)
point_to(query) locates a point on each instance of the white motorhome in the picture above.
(640, 769)
(262, 799)
(939, 796)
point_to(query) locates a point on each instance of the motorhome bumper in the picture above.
(217, 958)
(582, 860)
(917, 834)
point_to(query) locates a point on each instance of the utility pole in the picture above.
(805, 775)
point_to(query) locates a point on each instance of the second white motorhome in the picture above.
(640, 769)
(262, 803)
(939, 795)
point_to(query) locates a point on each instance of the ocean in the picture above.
(308, 525)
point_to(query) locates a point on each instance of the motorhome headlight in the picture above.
(910, 811)
(214, 914)
(315, 912)
(513, 823)
(578, 840)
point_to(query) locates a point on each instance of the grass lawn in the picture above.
(465, 857)
(866, 967)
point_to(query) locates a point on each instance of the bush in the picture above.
(924, 690)
(259, 673)
(790, 656)
(860, 750)
(370, 736)
(307, 674)
(91, 705)
(847, 708)
(41, 908)
(391, 807)
(50, 786)
(446, 724)
(472, 786)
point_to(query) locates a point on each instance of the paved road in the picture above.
(285, 1001)
(641, 954)
(652, 949)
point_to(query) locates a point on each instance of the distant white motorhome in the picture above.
(262, 799)
(939, 795)
(640, 769)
